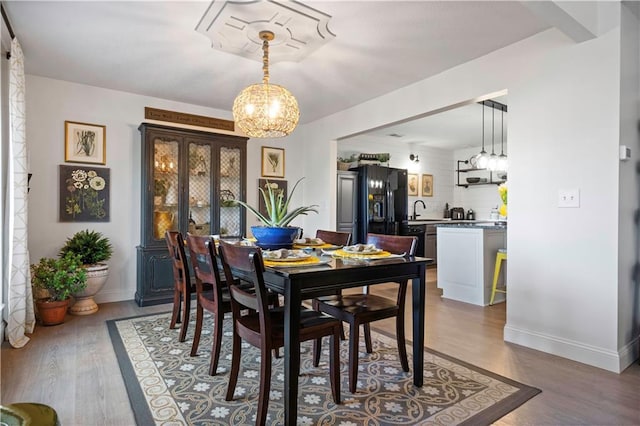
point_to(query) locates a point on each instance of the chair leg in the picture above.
(353, 357)
(236, 354)
(265, 386)
(185, 317)
(367, 338)
(198, 331)
(402, 347)
(175, 314)
(317, 349)
(217, 342)
(334, 367)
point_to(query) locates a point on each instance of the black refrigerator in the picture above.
(382, 201)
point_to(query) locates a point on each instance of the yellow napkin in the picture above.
(342, 253)
(307, 261)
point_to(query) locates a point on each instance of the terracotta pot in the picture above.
(96, 277)
(52, 313)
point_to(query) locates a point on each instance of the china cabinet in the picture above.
(190, 180)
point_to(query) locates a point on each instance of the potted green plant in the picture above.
(275, 231)
(93, 249)
(59, 278)
(344, 163)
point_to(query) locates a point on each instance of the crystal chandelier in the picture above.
(266, 110)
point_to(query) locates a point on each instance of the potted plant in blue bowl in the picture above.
(275, 232)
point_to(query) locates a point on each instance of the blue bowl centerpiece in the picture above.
(273, 238)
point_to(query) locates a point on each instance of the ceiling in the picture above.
(152, 48)
(456, 128)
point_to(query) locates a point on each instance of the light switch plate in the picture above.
(569, 198)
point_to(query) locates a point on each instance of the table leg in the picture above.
(418, 287)
(292, 304)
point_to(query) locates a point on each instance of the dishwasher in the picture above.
(416, 231)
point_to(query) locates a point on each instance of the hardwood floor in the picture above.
(72, 367)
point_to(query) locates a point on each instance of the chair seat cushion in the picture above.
(309, 319)
(358, 304)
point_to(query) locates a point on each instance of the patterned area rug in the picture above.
(167, 386)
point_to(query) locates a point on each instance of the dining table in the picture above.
(307, 281)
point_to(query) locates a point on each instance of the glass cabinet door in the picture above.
(165, 187)
(199, 189)
(230, 190)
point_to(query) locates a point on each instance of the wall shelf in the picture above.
(489, 175)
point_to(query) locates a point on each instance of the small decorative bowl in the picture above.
(473, 179)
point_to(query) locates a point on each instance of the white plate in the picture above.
(366, 250)
(294, 256)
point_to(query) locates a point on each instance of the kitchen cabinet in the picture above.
(484, 176)
(189, 181)
(347, 205)
(431, 243)
(466, 256)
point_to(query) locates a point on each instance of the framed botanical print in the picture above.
(272, 162)
(85, 143)
(427, 185)
(84, 194)
(413, 183)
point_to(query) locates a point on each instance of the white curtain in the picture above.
(21, 318)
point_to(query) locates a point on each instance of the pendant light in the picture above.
(492, 164)
(266, 110)
(502, 159)
(483, 158)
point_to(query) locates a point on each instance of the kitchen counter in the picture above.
(473, 224)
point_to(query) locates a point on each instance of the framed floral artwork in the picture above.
(85, 143)
(84, 194)
(272, 162)
(413, 183)
(427, 185)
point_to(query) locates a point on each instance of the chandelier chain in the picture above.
(265, 61)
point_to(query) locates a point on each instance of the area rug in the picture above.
(166, 386)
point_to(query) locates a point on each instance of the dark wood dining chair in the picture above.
(263, 327)
(334, 237)
(183, 286)
(365, 308)
(212, 293)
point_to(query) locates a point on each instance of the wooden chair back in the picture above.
(334, 237)
(175, 244)
(203, 256)
(245, 264)
(395, 244)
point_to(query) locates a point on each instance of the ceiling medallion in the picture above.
(233, 27)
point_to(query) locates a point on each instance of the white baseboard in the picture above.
(114, 296)
(577, 351)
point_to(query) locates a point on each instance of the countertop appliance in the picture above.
(457, 213)
(382, 201)
(471, 215)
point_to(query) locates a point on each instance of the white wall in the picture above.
(49, 104)
(481, 198)
(564, 120)
(436, 162)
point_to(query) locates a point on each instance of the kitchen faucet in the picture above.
(415, 215)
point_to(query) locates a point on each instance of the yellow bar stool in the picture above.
(500, 256)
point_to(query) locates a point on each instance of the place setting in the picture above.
(308, 243)
(363, 252)
(286, 258)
